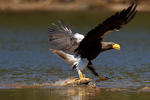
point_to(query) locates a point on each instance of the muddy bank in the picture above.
(68, 5)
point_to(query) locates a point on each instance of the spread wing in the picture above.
(62, 38)
(115, 22)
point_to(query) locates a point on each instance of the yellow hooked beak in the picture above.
(116, 46)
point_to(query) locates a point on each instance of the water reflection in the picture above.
(72, 93)
(68, 93)
(79, 93)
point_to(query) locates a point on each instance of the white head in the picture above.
(78, 36)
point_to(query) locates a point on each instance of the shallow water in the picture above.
(25, 58)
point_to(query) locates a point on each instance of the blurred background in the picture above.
(46, 5)
(26, 60)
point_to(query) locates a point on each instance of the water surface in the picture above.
(25, 58)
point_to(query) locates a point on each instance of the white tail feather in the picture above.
(68, 58)
(71, 59)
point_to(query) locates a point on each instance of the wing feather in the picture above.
(114, 22)
(62, 38)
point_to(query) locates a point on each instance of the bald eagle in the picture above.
(79, 50)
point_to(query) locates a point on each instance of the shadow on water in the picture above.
(25, 59)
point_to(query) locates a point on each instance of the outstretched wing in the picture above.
(112, 23)
(62, 38)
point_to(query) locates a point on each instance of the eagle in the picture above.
(78, 50)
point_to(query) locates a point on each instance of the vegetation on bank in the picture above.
(51, 5)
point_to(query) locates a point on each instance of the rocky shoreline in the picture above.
(68, 5)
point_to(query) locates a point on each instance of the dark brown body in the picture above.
(90, 51)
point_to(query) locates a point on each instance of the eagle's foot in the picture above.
(81, 76)
(102, 78)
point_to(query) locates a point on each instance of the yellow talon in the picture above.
(102, 78)
(80, 74)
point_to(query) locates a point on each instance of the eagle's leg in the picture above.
(91, 68)
(80, 73)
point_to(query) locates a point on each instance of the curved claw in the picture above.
(102, 78)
